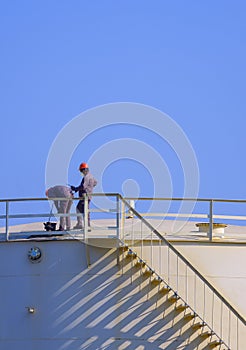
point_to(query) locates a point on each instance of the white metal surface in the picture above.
(61, 300)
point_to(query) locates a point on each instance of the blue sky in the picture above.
(185, 58)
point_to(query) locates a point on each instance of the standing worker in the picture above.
(87, 185)
(62, 206)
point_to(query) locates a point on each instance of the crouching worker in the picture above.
(87, 185)
(62, 206)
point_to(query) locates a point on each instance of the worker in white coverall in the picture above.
(62, 206)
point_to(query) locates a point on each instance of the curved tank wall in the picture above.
(60, 303)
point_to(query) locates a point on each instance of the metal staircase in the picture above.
(204, 312)
(194, 331)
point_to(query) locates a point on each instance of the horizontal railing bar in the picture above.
(114, 210)
(26, 216)
(187, 199)
(104, 227)
(230, 217)
(205, 216)
(176, 215)
(226, 217)
(60, 198)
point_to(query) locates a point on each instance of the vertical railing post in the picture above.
(151, 249)
(177, 281)
(85, 215)
(122, 220)
(168, 265)
(7, 220)
(118, 217)
(118, 230)
(86, 211)
(210, 233)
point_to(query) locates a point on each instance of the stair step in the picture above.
(165, 289)
(197, 325)
(174, 298)
(215, 343)
(189, 315)
(148, 271)
(124, 248)
(206, 334)
(131, 254)
(156, 280)
(181, 307)
(141, 262)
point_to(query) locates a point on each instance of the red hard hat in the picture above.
(83, 166)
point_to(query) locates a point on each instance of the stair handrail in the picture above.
(208, 284)
(160, 278)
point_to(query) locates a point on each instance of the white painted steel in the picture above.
(188, 283)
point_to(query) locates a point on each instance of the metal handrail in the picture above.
(187, 199)
(159, 235)
(8, 216)
(210, 216)
(24, 199)
(202, 216)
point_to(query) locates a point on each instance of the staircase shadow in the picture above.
(117, 307)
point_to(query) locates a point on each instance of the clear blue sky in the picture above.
(185, 58)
